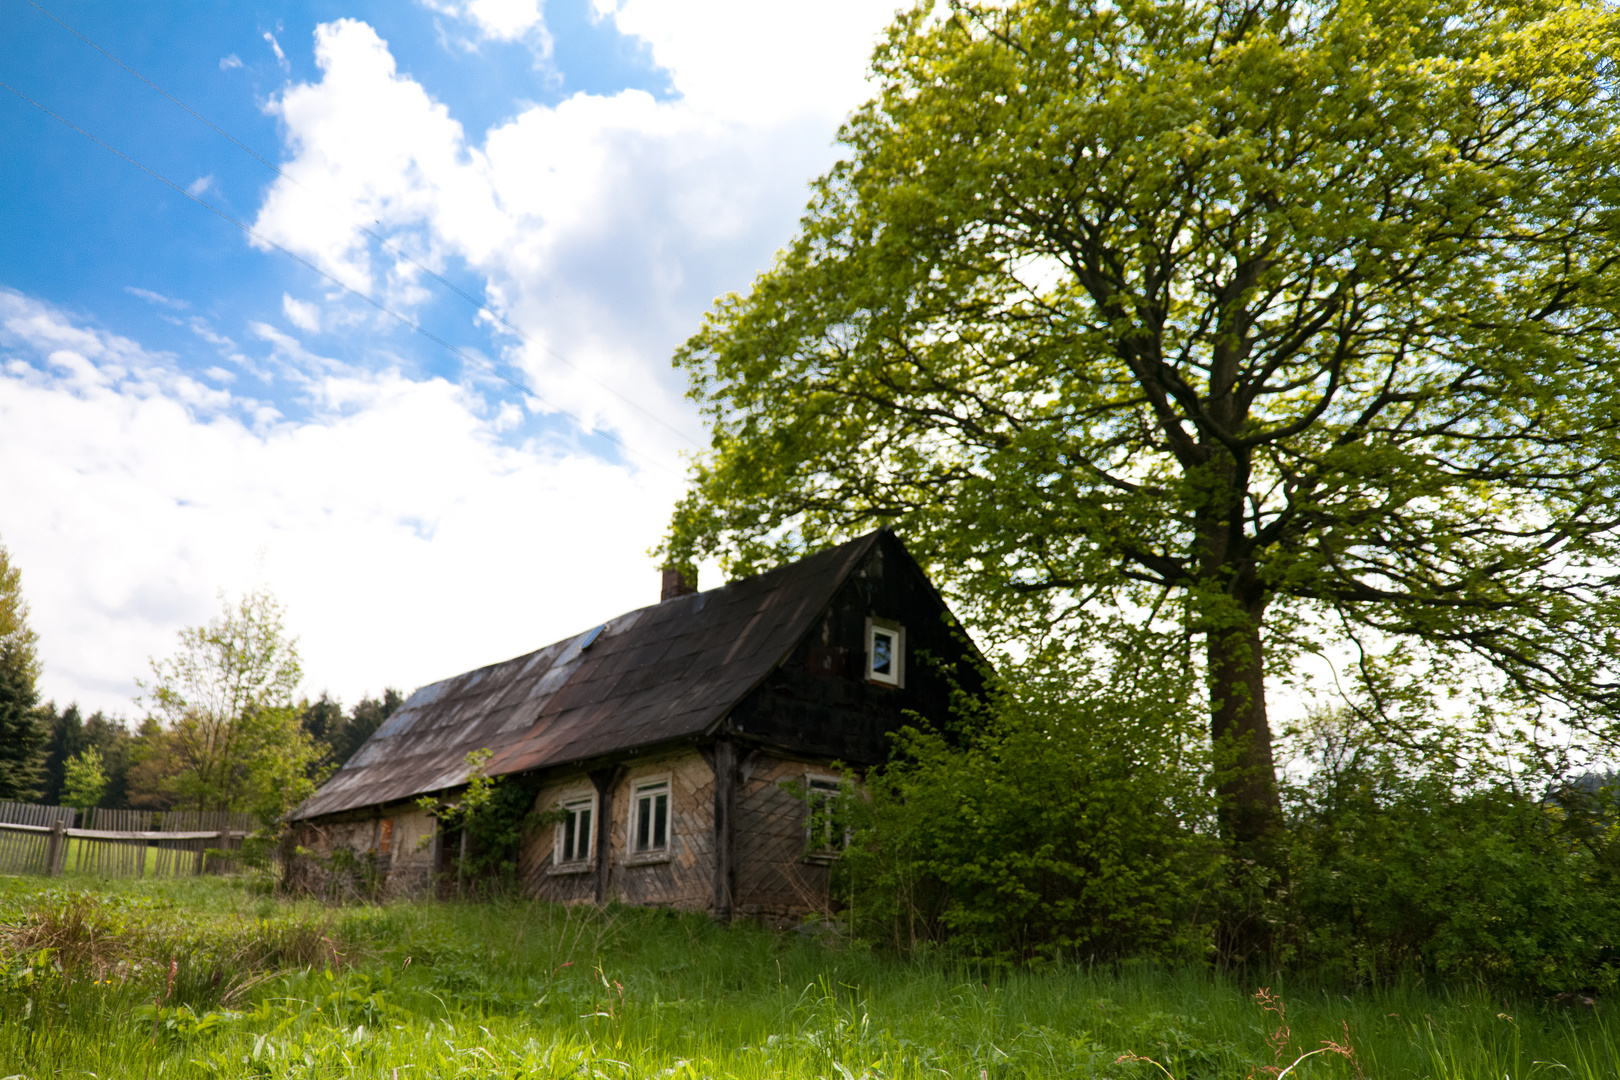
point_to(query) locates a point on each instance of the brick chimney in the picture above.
(676, 584)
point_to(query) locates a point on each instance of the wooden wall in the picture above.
(535, 866)
(685, 879)
(819, 703)
(774, 881)
(772, 878)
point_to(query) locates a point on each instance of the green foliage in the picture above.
(85, 781)
(340, 736)
(227, 735)
(20, 731)
(1072, 816)
(68, 734)
(1065, 818)
(366, 717)
(493, 813)
(21, 735)
(18, 642)
(1287, 322)
(1403, 869)
(513, 988)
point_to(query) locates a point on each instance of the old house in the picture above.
(687, 749)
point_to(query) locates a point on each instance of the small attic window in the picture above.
(885, 652)
(590, 637)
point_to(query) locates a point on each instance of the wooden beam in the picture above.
(53, 848)
(604, 780)
(724, 763)
(123, 834)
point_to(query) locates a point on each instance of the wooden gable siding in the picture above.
(818, 703)
(685, 879)
(773, 879)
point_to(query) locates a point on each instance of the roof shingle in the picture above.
(653, 675)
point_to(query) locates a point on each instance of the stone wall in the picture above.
(377, 852)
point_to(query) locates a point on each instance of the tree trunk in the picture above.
(1250, 809)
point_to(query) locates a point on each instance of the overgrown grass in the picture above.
(206, 978)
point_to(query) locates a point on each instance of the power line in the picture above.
(474, 301)
(379, 305)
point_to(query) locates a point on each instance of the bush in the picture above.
(1071, 816)
(1399, 872)
(1065, 817)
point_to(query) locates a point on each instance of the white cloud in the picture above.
(406, 538)
(760, 62)
(408, 531)
(275, 46)
(156, 298)
(200, 185)
(227, 63)
(301, 313)
(601, 227)
(498, 20)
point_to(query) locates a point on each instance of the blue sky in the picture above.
(185, 409)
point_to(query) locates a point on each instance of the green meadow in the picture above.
(211, 977)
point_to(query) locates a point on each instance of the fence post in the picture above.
(53, 848)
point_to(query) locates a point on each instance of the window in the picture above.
(574, 831)
(826, 833)
(649, 818)
(885, 652)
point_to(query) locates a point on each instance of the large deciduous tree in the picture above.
(1299, 315)
(226, 727)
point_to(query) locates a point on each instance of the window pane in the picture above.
(882, 652)
(584, 817)
(568, 836)
(643, 829)
(661, 822)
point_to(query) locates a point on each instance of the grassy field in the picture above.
(206, 978)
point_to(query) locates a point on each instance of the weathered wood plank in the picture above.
(724, 763)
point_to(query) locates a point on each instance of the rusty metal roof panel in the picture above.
(650, 676)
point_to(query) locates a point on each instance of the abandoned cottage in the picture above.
(686, 750)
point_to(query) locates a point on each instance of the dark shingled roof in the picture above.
(657, 674)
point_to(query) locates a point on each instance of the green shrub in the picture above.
(1064, 818)
(1398, 872)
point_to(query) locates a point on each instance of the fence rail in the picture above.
(118, 843)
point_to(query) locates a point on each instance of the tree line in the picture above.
(222, 727)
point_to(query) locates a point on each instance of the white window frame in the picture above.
(896, 675)
(648, 787)
(821, 788)
(573, 800)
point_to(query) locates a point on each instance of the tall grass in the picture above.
(203, 978)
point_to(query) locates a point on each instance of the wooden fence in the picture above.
(117, 843)
(25, 835)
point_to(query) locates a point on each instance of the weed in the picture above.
(212, 980)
